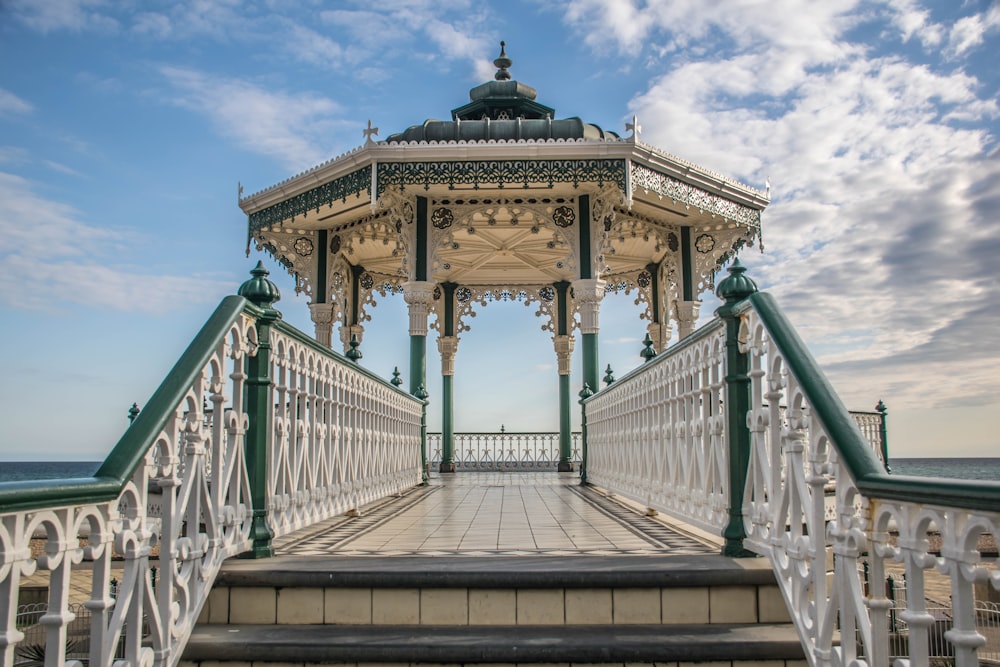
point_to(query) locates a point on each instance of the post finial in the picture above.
(647, 350)
(736, 286)
(260, 291)
(502, 63)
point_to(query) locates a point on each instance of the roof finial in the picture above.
(502, 63)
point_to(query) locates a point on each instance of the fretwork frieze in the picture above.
(353, 184)
(500, 173)
(677, 190)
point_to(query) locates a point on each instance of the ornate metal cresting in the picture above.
(256, 430)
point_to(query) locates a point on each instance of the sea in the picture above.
(957, 468)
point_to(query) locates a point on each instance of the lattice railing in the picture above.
(342, 438)
(513, 451)
(797, 459)
(178, 493)
(658, 434)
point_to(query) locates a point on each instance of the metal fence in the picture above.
(511, 451)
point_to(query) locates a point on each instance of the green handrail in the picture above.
(126, 456)
(855, 451)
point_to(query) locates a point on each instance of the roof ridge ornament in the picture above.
(502, 63)
(634, 128)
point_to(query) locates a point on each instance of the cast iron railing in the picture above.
(256, 430)
(504, 450)
(737, 430)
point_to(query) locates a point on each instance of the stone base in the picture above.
(447, 467)
(565, 466)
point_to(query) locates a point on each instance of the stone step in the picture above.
(724, 644)
(502, 591)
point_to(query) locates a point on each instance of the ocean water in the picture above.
(987, 469)
(13, 471)
(970, 468)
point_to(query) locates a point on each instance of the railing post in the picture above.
(421, 395)
(733, 289)
(262, 293)
(585, 393)
(883, 434)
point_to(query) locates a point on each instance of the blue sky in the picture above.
(126, 126)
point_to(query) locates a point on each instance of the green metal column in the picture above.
(564, 352)
(591, 365)
(733, 290)
(262, 293)
(447, 343)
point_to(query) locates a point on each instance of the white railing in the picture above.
(175, 492)
(796, 458)
(658, 434)
(512, 451)
(342, 439)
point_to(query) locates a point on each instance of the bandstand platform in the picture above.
(480, 567)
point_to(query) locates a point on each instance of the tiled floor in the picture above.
(497, 513)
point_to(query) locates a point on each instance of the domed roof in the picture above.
(501, 110)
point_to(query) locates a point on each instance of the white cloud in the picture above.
(881, 235)
(11, 103)
(51, 258)
(970, 31)
(293, 128)
(52, 15)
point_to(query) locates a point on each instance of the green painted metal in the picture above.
(448, 295)
(733, 289)
(264, 294)
(354, 351)
(319, 285)
(565, 426)
(654, 292)
(584, 394)
(418, 363)
(447, 424)
(609, 376)
(421, 395)
(130, 451)
(855, 451)
(356, 272)
(508, 174)
(397, 379)
(586, 260)
(591, 367)
(647, 353)
(353, 184)
(133, 412)
(687, 265)
(884, 433)
(562, 307)
(420, 267)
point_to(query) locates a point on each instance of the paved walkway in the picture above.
(528, 513)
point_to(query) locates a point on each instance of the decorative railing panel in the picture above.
(658, 434)
(183, 506)
(341, 438)
(815, 447)
(511, 451)
(176, 494)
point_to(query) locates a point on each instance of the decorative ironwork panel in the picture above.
(658, 435)
(189, 497)
(802, 506)
(677, 190)
(354, 184)
(341, 438)
(503, 451)
(500, 173)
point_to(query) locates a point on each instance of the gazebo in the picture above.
(504, 202)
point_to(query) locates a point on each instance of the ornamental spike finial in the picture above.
(736, 286)
(502, 63)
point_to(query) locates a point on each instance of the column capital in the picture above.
(448, 347)
(322, 317)
(564, 352)
(687, 315)
(660, 334)
(588, 294)
(419, 297)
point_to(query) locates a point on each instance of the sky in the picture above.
(127, 127)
